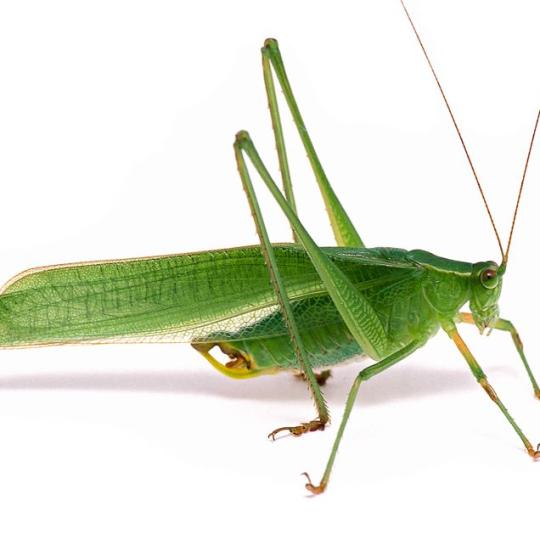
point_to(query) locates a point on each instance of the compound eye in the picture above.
(489, 278)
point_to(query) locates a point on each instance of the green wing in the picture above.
(179, 298)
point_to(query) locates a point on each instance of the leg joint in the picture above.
(488, 388)
(242, 137)
(515, 336)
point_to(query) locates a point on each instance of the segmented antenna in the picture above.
(457, 129)
(505, 258)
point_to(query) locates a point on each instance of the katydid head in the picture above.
(486, 285)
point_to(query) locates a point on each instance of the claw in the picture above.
(272, 434)
(535, 454)
(305, 427)
(537, 394)
(316, 490)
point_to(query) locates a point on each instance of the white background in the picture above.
(116, 128)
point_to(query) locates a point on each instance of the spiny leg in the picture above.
(507, 326)
(364, 375)
(278, 136)
(283, 300)
(480, 376)
(344, 231)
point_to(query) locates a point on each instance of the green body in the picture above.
(225, 297)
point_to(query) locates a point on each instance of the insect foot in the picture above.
(321, 377)
(537, 394)
(535, 454)
(316, 490)
(305, 427)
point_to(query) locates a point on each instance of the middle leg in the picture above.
(363, 376)
(321, 376)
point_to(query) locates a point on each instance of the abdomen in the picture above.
(325, 337)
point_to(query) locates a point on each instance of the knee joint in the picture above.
(488, 388)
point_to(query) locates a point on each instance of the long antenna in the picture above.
(505, 258)
(457, 128)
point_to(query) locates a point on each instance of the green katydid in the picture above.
(275, 306)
